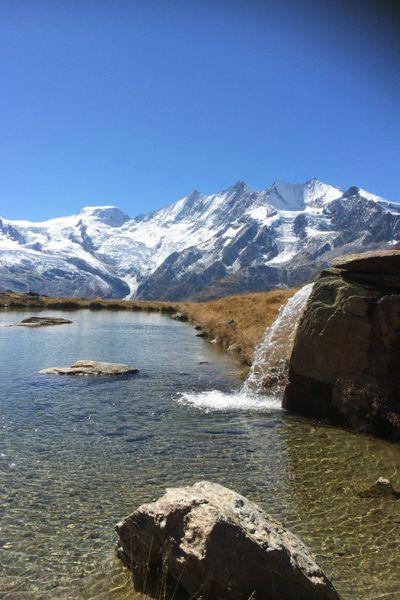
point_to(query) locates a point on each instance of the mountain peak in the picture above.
(352, 191)
(239, 186)
(296, 196)
(194, 195)
(109, 215)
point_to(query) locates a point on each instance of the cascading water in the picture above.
(270, 366)
(271, 358)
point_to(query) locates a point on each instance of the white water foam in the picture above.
(215, 400)
(269, 366)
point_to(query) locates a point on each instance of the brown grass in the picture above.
(251, 315)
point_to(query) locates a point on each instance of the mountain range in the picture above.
(201, 247)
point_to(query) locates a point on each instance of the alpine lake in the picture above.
(78, 454)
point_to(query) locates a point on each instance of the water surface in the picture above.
(78, 454)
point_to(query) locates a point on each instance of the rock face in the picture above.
(42, 321)
(91, 367)
(220, 545)
(345, 363)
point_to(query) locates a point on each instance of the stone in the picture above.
(345, 364)
(203, 334)
(42, 321)
(180, 317)
(217, 544)
(91, 367)
(234, 348)
(381, 488)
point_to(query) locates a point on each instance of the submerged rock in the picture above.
(381, 488)
(217, 544)
(42, 321)
(345, 364)
(91, 367)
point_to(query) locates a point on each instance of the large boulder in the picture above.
(345, 363)
(219, 545)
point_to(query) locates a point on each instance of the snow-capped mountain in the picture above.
(203, 246)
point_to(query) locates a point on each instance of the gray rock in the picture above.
(203, 334)
(180, 317)
(42, 321)
(91, 367)
(381, 488)
(220, 545)
(234, 348)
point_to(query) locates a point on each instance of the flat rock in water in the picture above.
(217, 544)
(42, 321)
(91, 367)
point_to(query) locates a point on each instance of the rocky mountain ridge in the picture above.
(203, 246)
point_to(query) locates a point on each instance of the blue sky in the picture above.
(137, 103)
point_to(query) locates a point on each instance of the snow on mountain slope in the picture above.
(203, 245)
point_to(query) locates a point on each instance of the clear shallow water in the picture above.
(78, 454)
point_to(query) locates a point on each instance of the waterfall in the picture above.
(269, 371)
(271, 358)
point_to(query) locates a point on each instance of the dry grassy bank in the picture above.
(238, 320)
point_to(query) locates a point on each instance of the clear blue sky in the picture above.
(137, 103)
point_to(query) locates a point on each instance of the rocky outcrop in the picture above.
(91, 367)
(42, 321)
(219, 545)
(345, 363)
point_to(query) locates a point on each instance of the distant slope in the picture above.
(203, 246)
